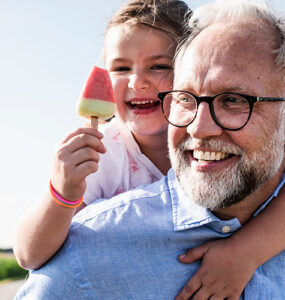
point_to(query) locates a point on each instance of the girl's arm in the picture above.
(43, 229)
(41, 232)
(228, 264)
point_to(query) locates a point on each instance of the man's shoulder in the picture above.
(155, 194)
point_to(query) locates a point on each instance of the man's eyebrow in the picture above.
(234, 89)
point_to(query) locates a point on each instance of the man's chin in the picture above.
(217, 190)
(230, 185)
(200, 189)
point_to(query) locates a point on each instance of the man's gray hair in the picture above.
(237, 11)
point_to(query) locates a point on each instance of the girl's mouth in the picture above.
(143, 104)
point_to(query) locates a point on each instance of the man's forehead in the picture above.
(234, 48)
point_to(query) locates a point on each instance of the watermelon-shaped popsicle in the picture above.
(97, 97)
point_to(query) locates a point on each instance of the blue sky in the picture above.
(47, 49)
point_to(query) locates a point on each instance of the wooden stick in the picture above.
(94, 122)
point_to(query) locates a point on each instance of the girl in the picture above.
(139, 46)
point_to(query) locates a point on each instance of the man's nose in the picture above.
(203, 125)
(138, 80)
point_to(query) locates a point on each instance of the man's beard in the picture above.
(221, 189)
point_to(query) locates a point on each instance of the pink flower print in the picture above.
(115, 137)
(134, 166)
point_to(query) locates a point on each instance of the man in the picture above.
(227, 155)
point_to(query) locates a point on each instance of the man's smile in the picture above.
(210, 155)
(211, 160)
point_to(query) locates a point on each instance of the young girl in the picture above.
(139, 47)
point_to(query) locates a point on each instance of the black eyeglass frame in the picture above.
(209, 99)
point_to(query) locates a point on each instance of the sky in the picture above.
(46, 51)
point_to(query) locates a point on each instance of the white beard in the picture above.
(221, 189)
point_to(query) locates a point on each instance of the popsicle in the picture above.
(97, 97)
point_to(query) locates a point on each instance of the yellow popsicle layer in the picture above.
(95, 107)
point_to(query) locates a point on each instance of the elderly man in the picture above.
(227, 153)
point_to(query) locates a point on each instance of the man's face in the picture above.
(228, 58)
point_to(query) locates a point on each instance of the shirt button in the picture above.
(226, 229)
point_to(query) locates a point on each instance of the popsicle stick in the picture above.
(94, 122)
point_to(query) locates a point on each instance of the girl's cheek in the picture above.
(115, 81)
(119, 87)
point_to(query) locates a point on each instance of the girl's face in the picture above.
(140, 64)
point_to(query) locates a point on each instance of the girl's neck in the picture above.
(155, 148)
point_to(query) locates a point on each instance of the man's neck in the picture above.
(244, 210)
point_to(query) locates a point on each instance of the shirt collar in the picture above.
(187, 214)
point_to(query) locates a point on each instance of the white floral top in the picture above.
(122, 167)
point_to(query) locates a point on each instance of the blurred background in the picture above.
(46, 51)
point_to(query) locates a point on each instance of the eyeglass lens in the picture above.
(230, 110)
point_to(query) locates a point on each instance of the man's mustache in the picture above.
(210, 144)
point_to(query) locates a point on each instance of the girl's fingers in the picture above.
(82, 130)
(191, 287)
(67, 163)
(214, 297)
(84, 140)
(85, 154)
(86, 168)
(193, 254)
(76, 157)
(204, 294)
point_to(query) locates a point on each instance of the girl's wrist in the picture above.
(62, 201)
(246, 249)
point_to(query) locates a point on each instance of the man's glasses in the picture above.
(231, 111)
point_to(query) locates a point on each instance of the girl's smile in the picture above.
(140, 64)
(143, 105)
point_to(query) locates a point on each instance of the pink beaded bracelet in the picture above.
(61, 201)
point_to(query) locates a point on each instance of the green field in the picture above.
(9, 268)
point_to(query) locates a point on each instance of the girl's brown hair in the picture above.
(169, 16)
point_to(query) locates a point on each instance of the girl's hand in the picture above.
(223, 274)
(75, 158)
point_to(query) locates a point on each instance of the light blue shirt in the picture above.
(127, 247)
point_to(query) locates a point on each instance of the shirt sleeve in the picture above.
(55, 280)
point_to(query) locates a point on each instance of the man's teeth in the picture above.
(143, 102)
(201, 155)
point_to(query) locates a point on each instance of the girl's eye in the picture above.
(161, 67)
(120, 69)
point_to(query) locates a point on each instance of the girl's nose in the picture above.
(204, 126)
(138, 80)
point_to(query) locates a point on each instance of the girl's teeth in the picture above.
(200, 155)
(142, 102)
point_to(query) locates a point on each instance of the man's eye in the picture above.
(161, 67)
(232, 103)
(234, 100)
(231, 100)
(184, 99)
